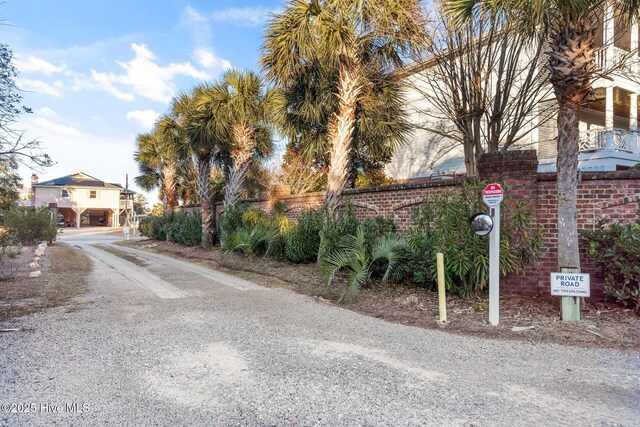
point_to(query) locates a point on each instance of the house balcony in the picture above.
(603, 150)
(608, 149)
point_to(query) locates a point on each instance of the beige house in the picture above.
(609, 125)
(80, 199)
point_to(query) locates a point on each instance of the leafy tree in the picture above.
(330, 57)
(571, 26)
(10, 184)
(140, 204)
(157, 209)
(14, 148)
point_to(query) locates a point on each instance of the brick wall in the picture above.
(614, 196)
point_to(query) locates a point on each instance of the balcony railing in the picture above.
(619, 57)
(609, 139)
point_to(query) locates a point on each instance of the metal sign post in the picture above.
(492, 197)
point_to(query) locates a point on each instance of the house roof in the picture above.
(79, 179)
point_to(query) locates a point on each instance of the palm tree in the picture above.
(350, 43)
(158, 157)
(246, 106)
(200, 130)
(571, 25)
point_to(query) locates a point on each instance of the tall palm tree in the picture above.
(571, 25)
(245, 104)
(199, 128)
(351, 40)
(158, 157)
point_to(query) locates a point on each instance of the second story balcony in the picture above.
(622, 140)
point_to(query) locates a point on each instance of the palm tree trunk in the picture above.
(567, 166)
(341, 128)
(571, 64)
(204, 193)
(169, 186)
(241, 157)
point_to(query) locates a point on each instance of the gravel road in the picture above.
(221, 355)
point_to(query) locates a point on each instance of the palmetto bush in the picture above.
(364, 259)
(250, 230)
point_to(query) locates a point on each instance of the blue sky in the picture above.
(96, 74)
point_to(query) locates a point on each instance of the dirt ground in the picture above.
(536, 320)
(64, 276)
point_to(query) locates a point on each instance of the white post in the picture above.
(494, 267)
(633, 123)
(609, 117)
(634, 46)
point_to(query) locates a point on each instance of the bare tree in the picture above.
(14, 147)
(482, 82)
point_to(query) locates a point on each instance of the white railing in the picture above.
(620, 58)
(609, 139)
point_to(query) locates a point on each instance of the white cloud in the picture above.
(104, 82)
(46, 112)
(208, 59)
(144, 77)
(197, 24)
(48, 127)
(249, 16)
(40, 87)
(38, 65)
(144, 118)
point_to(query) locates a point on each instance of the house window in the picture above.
(65, 194)
(93, 194)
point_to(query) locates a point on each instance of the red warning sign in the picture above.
(492, 195)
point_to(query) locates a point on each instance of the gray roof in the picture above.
(79, 179)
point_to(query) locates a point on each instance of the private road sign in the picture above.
(570, 284)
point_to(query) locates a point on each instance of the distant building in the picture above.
(80, 199)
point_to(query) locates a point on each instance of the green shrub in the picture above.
(185, 228)
(442, 225)
(32, 225)
(616, 248)
(155, 226)
(9, 245)
(302, 242)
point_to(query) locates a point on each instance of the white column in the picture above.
(634, 46)
(633, 122)
(608, 117)
(608, 31)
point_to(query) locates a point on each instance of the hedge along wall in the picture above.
(614, 196)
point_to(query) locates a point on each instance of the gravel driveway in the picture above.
(223, 355)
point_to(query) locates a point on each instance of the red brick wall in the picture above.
(614, 196)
